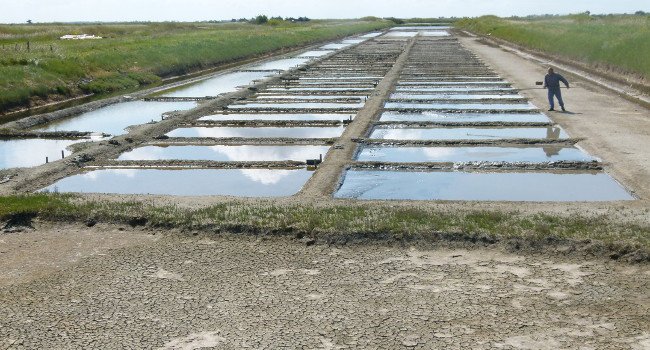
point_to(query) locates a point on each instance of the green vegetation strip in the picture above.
(35, 65)
(343, 222)
(620, 41)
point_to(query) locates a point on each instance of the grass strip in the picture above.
(343, 222)
(603, 42)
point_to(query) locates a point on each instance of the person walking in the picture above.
(552, 83)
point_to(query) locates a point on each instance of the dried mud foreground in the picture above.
(150, 289)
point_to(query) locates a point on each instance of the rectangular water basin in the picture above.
(542, 154)
(219, 84)
(393, 133)
(32, 152)
(371, 35)
(280, 116)
(464, 117)
(227, 153)
(259, 132)
(406, 96)
(300, 88)
(463, 106)
(476, 186)
(420, 28)
(281, 64)
(187, 182)
(453, 83)
(435, 33)
(353, 41)
(315, 53)
(307, 97)
(399, 34)
(334, 46)
(300, 105)
(421, 89)
(114, 119)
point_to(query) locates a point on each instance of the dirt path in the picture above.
(233, 292)
(614, 129)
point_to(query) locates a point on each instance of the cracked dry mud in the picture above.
(178, 291)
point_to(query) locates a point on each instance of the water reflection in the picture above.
(315, 53)
(454, 96)
(281, 64)
(220, 84)
(32, 152)
(462, 106)
(227, 153)
(473, 154)
(280, 116)
(552, 187)
(187, 182)
(114, 119)
(259, 132)
(464, 133)
(464, 117)
(294, 105)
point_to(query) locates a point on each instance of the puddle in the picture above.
(525, 186)
(334, 46)
(390, 133)
(316, 53)
(463, 106)
(224, 153)
(406, 96)
(220, 84)
(187, 182)
(412, 89)
(32, 152)
(259, 132)
(301, 105)
(464, 117)
(114, 119)
(280, 116)
(281, 64)
(548, 153)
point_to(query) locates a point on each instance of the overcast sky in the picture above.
(19, 11)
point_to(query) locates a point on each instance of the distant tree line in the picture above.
(263, 19)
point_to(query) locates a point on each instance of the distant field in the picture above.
(131, 55)
(621, 41)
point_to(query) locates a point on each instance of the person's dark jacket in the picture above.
(552, 81)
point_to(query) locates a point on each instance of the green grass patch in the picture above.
(621, 41)
(130, 55)
(341, 221)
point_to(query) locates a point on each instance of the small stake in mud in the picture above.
(62, 154)
(47, 160)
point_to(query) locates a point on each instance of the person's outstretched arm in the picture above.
(566, 83)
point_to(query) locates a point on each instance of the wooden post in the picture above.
(62, 154)
(47, 160)
(27, 46)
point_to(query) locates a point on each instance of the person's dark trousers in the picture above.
(555, 92)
